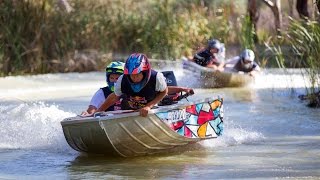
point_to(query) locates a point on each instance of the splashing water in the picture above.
(35, 125)
(32, 126)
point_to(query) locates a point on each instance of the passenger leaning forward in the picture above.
(113, 71)
(208, 57)
(142, 87)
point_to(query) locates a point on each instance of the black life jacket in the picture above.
(203, 58)
(117, 105)
(171, 81)
(137, 100)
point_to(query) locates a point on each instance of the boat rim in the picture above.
(111, 116)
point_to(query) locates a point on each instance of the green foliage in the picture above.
(32, 32)
(39, 37)
(247, 33)
(304, 38)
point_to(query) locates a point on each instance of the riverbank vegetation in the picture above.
(41, 36)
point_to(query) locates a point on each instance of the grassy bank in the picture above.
(39, 37)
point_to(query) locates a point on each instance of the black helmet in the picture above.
(214, 43)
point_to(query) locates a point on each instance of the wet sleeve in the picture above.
(161, 84)
(97, 99)
(117, 86)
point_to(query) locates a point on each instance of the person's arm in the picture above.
(221, 66)
(91, 109)
(177, 89)
(111, 100)
(144, 111)
(113, 97)
(162, 88)
(213, 66)
(255, 70)
(96, 101)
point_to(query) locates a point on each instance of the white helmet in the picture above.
(248, 55)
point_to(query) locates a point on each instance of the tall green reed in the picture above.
(38, 37)
(246, 37)
(32, 33)
(304, 38)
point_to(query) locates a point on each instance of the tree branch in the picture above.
(269, 3)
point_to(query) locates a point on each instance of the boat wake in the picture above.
(33, 125)
(36, 126)
(26, 123)
(268, 79)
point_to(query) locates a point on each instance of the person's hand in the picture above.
(144, 111)
(189, 91)
(84, 113)
(252, 73)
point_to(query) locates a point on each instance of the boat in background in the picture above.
(126, 133)
(209, 78)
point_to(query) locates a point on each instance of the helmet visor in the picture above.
(114, 71)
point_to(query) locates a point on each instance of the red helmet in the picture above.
(135, 64)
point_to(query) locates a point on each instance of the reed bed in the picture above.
(40, 37)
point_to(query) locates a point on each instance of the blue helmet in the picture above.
(115, 67)
(135, 64)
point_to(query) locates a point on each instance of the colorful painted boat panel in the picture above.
(203, 120)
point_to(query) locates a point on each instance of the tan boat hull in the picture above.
(208, 78)
(129, 134)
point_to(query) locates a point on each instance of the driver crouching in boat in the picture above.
(113, 71)
(244, 63)
(142, 87)
(208, 57)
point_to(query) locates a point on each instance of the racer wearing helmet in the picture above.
(113, 71)
(209, 57)
(245, 63)
(142, 86)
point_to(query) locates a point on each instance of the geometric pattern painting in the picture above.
(203, 120)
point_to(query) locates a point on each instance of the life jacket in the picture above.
(203, 58)
(171, 81)
(117, 105)
(137, 100)
(170, 78)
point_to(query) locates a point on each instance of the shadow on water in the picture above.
(172, 164)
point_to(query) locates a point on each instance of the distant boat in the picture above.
(126, 133)
(209, 78)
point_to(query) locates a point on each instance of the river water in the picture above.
(268, 133)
